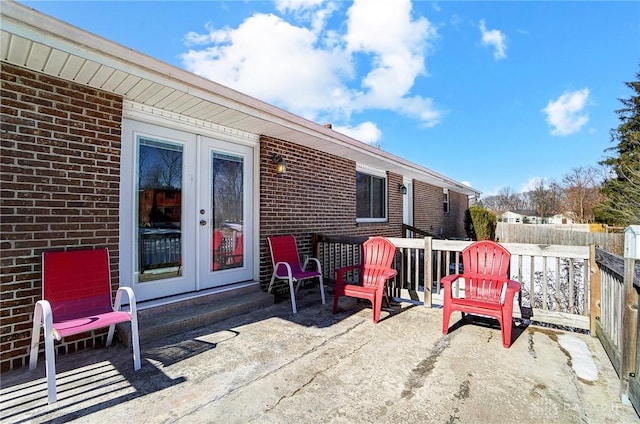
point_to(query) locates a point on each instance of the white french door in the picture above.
(225, 213)
(187, 211)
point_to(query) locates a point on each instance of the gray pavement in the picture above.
(271, 366)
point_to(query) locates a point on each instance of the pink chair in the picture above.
(487, 288)
(76, 298)
(286, 266)
(374, 272)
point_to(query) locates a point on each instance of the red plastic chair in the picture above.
(375, 270)
(487, 288)
(76, 298)
(286, 266)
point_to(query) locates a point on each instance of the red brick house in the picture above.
(91, 128)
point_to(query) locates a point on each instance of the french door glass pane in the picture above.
(159, 210)
(227, 188)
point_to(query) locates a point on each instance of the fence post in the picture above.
(630, 312)
(594, 309)
(428, 271)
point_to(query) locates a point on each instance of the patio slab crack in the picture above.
(420, 373)
(316, 374)
(285, 365)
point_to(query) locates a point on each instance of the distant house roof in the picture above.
(520, 212)
(41, 43)
(526, 212)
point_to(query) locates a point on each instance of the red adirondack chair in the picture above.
(237, 255)
(286, 266)
(76, 298)
(487, 288)
(216, 241)
(373, 273)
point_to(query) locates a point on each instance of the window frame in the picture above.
(379, 175)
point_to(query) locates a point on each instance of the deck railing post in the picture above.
(315, 250)
(594, 310)
(630, 312)
(428, 271)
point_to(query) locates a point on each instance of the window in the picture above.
(445, 197)
(371, 197)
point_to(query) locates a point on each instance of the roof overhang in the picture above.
(41, 43)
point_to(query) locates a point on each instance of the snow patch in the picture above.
(581, 359)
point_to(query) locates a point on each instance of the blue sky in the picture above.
(494, 94)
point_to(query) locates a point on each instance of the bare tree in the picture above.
(160, 168)
(582, 193)
(505, 200)
(172, 168)
(545, 198)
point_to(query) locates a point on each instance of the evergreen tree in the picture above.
(621, 189)
(479, 223)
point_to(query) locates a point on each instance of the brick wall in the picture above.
(458, 204)
(316, 195)
(60, 176)
(428, 211)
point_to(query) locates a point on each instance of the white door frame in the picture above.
(142, 120)
(407, 202)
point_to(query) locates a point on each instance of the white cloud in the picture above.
(494, 38)
(275, 61)
(493, 191)
(367, 132)
(324, 75)
(297, 5)
(397, 56)
(533, 183)
(566, 114)
(315, 12)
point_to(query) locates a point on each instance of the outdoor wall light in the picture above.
(280, 163)
(402, 188)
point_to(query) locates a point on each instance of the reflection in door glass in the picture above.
(227, 197)
(159, 187)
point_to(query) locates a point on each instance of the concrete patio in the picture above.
(271, 366)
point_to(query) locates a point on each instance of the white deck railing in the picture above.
(555, 279)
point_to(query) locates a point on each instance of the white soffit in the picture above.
(41, 43)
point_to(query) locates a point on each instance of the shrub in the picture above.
(480, 223)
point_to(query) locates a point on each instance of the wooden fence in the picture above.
(614, 320)
(550, 234)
